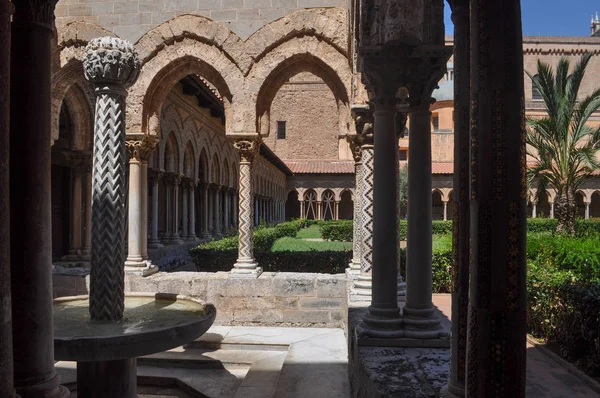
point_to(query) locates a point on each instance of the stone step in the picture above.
(219, 345)
(206, 358)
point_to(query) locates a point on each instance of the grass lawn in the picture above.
(311, 232)
(299, 245)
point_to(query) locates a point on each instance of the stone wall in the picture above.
(309, 109)
(274, 299)
(131, 19)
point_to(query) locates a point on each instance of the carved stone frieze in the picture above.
(112, 61)
(140, 146)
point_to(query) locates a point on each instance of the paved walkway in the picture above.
(545, 377)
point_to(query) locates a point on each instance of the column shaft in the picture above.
(155, 241)
(184, 210)
(419, 314)
(235, 210)
(211, 211)
(246, 261)
(357, 227)
(6, 340)
(144, 205)
(176, 238)
(363, 283)
(76, 196)
(30, 221)
(134, 247)
(168, 200)
(383, 319)
(496, 348)
(205, 205)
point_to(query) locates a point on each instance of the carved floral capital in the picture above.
(247, 148)
(140, 146)
(111, 61)
(363, 118)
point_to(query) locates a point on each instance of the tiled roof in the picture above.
(442, 168)
(321, 166)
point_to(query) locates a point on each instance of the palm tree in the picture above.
(563, 145)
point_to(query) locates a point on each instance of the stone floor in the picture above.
(245, 362)
(257, 362)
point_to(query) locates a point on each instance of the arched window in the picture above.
(328, 205)
(310, 205)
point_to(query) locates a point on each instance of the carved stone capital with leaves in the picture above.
(110, 61)
(363, 119)
(155, 175)
(247, 148)
(140, 146)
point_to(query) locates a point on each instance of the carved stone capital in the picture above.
(246, 147)
(173, 179)
(140, 146)
(363, 118)
(110, 61)
(80, 160)
(38, 12)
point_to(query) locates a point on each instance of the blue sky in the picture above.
(552, 17)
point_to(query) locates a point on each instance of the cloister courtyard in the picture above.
(296, 198)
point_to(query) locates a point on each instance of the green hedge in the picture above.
(339, 230)
(583, 228)
(219, 255)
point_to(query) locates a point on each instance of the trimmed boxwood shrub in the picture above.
(339, 230)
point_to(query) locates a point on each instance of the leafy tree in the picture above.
(563, 145)
(404, 188)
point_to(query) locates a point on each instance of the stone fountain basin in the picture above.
(151, 323)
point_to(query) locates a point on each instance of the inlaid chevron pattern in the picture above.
(357, 242)
(109, 209)
(246, 210)
(366, 261)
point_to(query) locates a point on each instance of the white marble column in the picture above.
(445, 203)
(87, 223)
(205, 204)
(176, 239)
(319, 215)
(192, 184)
(184, 210)
(587, 210)
(420, 318)
(154, 240)
(76, 193)
(534, 210)
(246, 265)
(552, 209)
(134, 252)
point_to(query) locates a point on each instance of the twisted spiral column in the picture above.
(246, 264)
(112, 65)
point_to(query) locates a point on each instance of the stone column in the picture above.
(185, 232)
(587, 210)
(139, 147)
(6, 342)
(236, 200)
(155, 177)
(87, 223)
(210, 215)
(534, 210)
(302, 215)
(383, 317)
(206, 212)
(337, 209)
(256, 209)
(419, 313)
(364, 126)
(246, 265)
(175, 238)
(76, 201)
(496, 348)
(551, 209)
(355, 145)
(218, 216)
(445, 203)
(30, 233)
(226, 215)
(166, 239)
(192, 184)
(460, 200)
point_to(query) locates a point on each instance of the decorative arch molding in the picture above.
(171, 64)
(305, 54)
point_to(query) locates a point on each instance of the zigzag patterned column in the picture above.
(355, 142)
(362, 285)
(112, 65)
(246, 264)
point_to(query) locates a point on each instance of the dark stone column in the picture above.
(30, 229)
(6, 344)
(460, 226)
(496, 351)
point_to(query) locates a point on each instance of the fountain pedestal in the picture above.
(106, 352)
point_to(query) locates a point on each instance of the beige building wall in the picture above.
(131, 19)
(308, 107)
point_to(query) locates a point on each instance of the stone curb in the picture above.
(590, 382)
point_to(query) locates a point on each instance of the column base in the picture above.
(191, 238)
(246, 273)
(49, 389)
(423, 324)
(143, 268)
(381, 324)
(450, 391)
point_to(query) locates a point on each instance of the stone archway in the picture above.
(595, 205)
(328, 205)
(437, 206)
(310, 205)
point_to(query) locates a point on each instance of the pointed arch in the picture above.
(171, 154)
